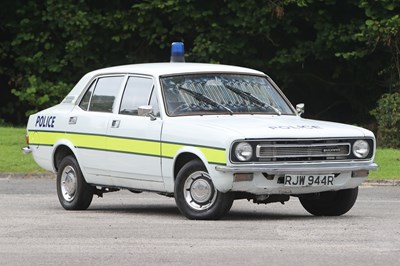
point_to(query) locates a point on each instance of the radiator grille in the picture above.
(302, 151)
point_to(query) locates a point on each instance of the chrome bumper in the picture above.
(299, 168)
(26, 150)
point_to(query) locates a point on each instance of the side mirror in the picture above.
(300, 109)
(146, 110)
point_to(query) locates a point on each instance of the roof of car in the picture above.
(159, 69)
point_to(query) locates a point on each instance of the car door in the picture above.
(135, 139)
(88, 124)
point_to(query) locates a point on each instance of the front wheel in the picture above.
(332, 203)
(72, 190)
(196, 196)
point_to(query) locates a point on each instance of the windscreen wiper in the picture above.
(203, 98)
(248, 96)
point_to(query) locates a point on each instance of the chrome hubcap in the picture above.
(68, 183)
(199, 191)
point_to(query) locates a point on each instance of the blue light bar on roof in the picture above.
(177, 52)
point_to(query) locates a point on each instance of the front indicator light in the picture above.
(360, 173)
(241, 177)
(243, 151)
(361, 149)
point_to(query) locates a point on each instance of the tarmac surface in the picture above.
(147, 229)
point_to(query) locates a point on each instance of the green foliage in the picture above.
(338, 56)
(52, 44)
(387, 113)
(40, 93)
(379, 32)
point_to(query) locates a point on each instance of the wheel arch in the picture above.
(187, 154)
(61, 150)
(182, 159)
(223, 182)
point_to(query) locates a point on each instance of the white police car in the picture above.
(206, 134)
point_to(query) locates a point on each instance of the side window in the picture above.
(137, 93)
(105, 93)
(86, 98)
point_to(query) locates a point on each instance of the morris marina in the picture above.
(205, 134)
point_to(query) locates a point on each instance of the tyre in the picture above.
(72, 190)
(196, 196)
(332, 203)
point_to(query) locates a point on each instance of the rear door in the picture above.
(134, 140)
(88, 124)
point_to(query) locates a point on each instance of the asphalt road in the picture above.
(147, 229)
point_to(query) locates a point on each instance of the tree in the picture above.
(380, 33)
(337, 56)
(305, 45)
(51, 44)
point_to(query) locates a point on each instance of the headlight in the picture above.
(243, 151)
(361, 149)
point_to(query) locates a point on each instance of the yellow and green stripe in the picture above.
(144, 147)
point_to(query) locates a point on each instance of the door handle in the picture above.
(115, 123)
(72, 120)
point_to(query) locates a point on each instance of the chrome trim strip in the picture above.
(298, 168)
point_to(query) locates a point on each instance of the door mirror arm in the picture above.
(300, 109)
(147, 110)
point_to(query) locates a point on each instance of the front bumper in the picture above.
(303, 168)
(267, 179)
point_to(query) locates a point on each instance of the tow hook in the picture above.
(264, 199)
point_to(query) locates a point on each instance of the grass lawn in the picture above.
(13, 160)
(11, 157)
(389, 164)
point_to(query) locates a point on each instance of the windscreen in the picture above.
(221, 94)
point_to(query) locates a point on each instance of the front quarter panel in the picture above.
(210, 145)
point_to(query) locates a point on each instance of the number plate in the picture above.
(308, 180)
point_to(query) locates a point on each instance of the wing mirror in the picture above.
(146, 110)
(300, 109)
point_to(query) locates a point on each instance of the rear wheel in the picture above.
(196, 196)
(72, 190)
(332, 203)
